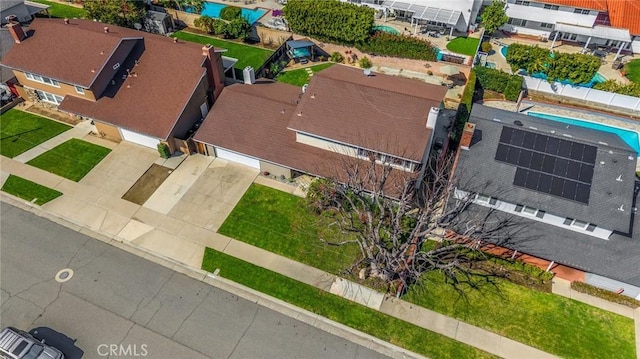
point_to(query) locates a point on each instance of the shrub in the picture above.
(464, 109)
(384, 43)
(632, 89)
(205, 23)
(365, 63)
(230, 13)
(337, 57)
(163, 150)
(219, 27)
(237, 28)
(330, 20)
(513, 88)
(486, 47)
(605, 294)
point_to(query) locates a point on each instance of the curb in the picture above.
(265, 300)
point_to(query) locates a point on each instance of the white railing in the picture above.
(584, 94)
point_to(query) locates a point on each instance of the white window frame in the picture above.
(79, 89)
(551, 7)
(579, 224)
(49, 97)
(42, 79)
(517, 22)
(523, 2)
(546, 25)
(581, 11)
(482, 198)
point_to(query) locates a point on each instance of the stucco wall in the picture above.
(63, 90)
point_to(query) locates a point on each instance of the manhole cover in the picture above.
(64, 275)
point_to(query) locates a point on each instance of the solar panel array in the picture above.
(548, 164)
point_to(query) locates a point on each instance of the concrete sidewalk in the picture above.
(183, 219)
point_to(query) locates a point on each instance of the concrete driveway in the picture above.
(202, 191)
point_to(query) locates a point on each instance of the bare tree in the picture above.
(390, 217)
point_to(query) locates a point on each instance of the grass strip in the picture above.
(354, 315)
(29, 191)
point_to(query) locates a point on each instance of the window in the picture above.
(517, 22)
(591, 227)
(493, 201)
(48, 97)
(482, 198)
(79, 90)
(581, 11)
(386, 159)
(42, 79)
(540, 214)
(567, 36)
(579, 224)
(519, 208)
(529, 210)
(551, 7)
(522, 2)
(546, 25)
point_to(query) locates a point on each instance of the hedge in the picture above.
(464, 109)
(605, 294)
(499, 81)
(384, 43)
(230, 12)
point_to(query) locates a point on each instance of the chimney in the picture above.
(467, 135)
(215, 70)
(66, 21)
(106, 29)
(16, 32)
(431, 125)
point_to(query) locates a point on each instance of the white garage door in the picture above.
(235, 157)
(139, 138)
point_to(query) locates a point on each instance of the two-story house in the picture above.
(612, 23)
(342, 113)
(134, 86)
(572, 188)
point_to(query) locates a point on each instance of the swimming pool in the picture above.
(386, 28)
(212, 9)
(503, 51)
(630, 137)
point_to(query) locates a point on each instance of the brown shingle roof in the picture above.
(149, 103)
(379, 112)
(67, 53)
(252, 120)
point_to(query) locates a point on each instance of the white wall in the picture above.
(535, 12)
(635, 45)
(583, 93)
(325, 145)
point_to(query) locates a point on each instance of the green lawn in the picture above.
(552, 323)
(28, 190)
(633, 70)
(354, 315)
(247, 55)
(463, 45)
(63, 11)
(21, 131)
(72, 159)
(279, 222)
(300, 77)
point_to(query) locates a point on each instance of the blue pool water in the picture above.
(385, 28)
(438, 54)
(212, 9)
(629, 137)
(503, 51)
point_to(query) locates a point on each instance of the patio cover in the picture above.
(422, 12)
(296, 44)
(604, 32)
(34, 7)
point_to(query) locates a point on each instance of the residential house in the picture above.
(342, 114)
(459, 15)
(611, 23)
(573, 188)
(133, 85)
(19, 10)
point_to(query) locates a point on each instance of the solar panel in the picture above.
(548, 164)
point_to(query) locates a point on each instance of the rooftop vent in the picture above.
(621, 208)
(299, 114)
(517, 123)
(313, 95)
(630, 158)
(106, 29)
(66, 21)
(619, 179)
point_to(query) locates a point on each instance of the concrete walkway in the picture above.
(172, 227)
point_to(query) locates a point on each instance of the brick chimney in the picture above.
(215, 70)
(467, 135)
(16, 32)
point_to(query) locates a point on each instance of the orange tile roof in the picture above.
(625, 14)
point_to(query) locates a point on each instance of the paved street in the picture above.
(117, 298)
